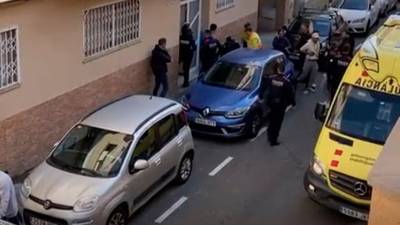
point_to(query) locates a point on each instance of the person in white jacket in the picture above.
(8, 199)
(310, 69)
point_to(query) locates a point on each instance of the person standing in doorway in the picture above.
(210, 51)
(253, 39)
(310, 69)
(187, 47)
(280, 95)
(8, 199)
(159, 64)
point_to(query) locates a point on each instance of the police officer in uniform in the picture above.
(210, 51)
(280, 94)
(187, 47)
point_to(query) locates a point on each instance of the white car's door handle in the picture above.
(157, 161)
(180, 142)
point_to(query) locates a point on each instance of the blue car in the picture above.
(228, 101)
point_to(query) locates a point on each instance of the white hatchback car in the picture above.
(360, 15)
(110, 164)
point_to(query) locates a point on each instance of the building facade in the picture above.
(274, 14)
(60, 60)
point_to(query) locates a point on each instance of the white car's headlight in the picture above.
(86, 204)
(360, 20)
(318, 167)
(26, 188)
(237, 113)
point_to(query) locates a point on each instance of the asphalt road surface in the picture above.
(246, 182)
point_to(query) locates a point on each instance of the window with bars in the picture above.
(9, 72)
(224, 4)
(110, 26)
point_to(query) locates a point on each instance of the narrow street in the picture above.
(254, 184)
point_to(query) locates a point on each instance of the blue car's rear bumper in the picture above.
(228, 128)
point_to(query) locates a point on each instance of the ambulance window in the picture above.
(364, 114)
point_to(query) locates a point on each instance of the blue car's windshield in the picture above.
(352, 4)
(364, 114)
(322, 26)
(233, 76)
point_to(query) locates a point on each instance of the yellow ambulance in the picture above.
(356, 125)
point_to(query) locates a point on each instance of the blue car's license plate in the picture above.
(206, 122)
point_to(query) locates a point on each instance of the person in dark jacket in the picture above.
(159, 60)
(210, 51)
(187, 47)
(213, 29)
(280, 95)
(230, 45)
(281, 43)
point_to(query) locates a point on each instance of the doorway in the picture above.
(191, 14)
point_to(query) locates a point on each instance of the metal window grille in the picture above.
(110, 26)
(9, 72)
(223, 4)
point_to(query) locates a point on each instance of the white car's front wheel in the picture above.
(118, 217)
(185, 169)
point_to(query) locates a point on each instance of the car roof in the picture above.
(322, 17)
(127, 114)
(246, 56)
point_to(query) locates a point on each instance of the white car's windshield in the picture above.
(364, 114)
(351, 4)
(91, 151)
(233, 76)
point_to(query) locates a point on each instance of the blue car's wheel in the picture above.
(254, 125)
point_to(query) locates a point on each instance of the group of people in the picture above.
(281, 91)
(338, 54)
(211, 50)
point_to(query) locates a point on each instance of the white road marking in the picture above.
(220, 166)
(171, 210)
(261, 132)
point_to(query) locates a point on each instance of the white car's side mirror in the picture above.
(141, 164)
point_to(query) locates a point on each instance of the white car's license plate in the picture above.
(354, 213)
(294, 57)
(36, 221)
(206, 122)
